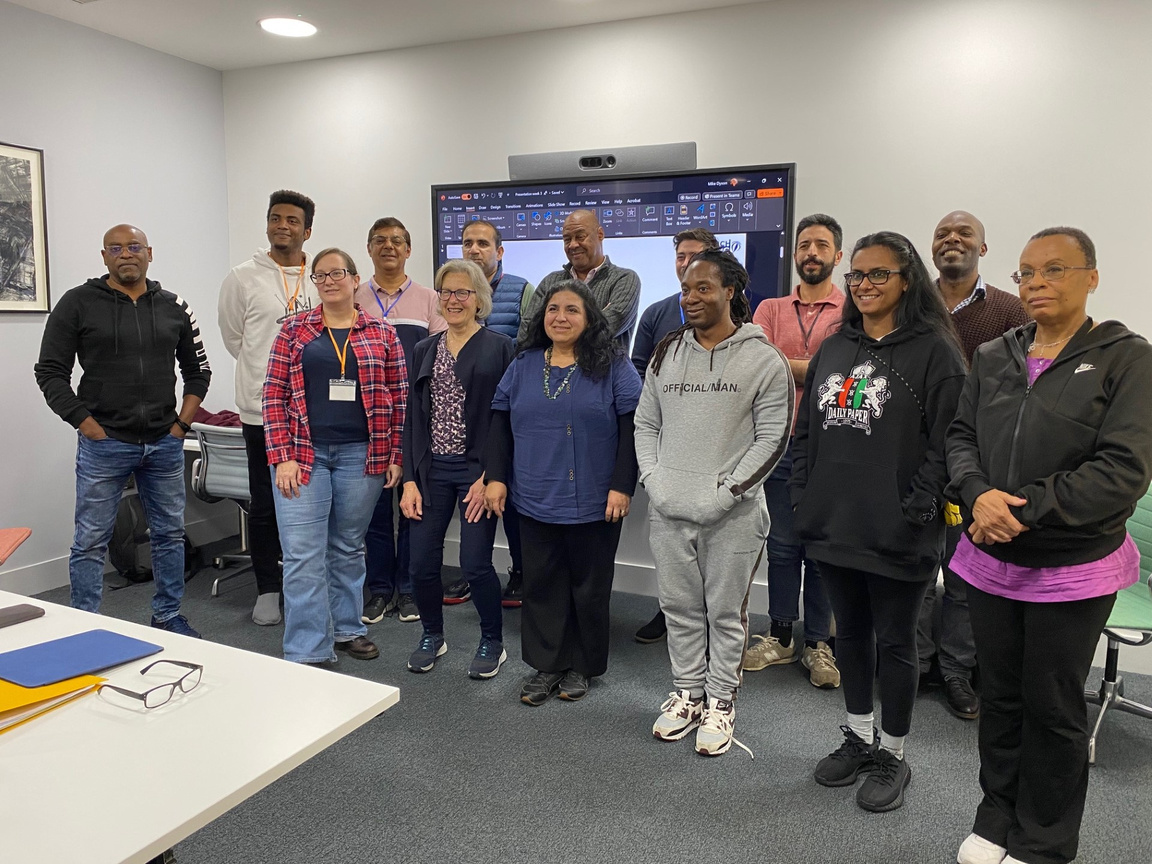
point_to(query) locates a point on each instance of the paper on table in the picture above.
(20, 704)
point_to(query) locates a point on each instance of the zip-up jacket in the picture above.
(713, 424)
(128, 350)
(1077, 444)
(868, 470)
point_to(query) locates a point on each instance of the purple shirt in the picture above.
(1108, 575)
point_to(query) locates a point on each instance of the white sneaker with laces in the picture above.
(681, 714)
(976, 850)
(714, 736)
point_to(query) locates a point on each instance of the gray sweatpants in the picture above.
(704, 573)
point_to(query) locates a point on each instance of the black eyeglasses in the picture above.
(337, 274)
(134, 248)
(1051, 273)
(159, 695)
(460, 294)
(877, 277)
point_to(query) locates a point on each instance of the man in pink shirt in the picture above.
(797, 324)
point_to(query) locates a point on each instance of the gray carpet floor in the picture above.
(460, 771)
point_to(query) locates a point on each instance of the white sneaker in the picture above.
(765, 651)
(681, 715)
(714, 736)
(976, 850)
(821, 665)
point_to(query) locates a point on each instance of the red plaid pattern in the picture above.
(383, 390)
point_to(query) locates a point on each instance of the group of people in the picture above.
(862, 439)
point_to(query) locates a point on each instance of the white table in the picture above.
(97, 783)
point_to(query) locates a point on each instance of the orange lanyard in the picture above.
(342, 354)
(299, 281)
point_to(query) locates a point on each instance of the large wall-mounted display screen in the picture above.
(748, 209)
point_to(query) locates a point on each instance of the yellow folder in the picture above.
(20, 704)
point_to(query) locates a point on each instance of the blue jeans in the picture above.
(448, 483)
(785, 555)
(387, 553)
(322, 537)
(102, 470)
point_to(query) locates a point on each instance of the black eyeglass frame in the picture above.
(171, 686)
(877, 277)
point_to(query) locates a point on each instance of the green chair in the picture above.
(1133, 614)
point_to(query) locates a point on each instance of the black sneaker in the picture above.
(513, 595)
(844, 765)
(407, 610)
(883, 789)
(574, 686)
(377, 607)
(539, 687)
(653, 631)
(456, 593)
(490, 656)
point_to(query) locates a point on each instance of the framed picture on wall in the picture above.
(23, 231)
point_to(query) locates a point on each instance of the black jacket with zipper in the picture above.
(1077, 444)
(868, 469)
(128, 351)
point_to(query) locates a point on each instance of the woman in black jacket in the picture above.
(868, 478)
(1049, 453)
(454, 377)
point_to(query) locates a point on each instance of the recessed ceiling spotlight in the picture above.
(293, 27)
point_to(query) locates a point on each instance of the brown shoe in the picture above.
(361, 648)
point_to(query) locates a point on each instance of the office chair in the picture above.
(1133, 614)
(221, 471)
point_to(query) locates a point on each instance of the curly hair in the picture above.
(596, 349)
(732, 275)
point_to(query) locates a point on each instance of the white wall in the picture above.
(129, 135)
(1029, 113)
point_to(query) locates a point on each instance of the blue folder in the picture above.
(60, 659)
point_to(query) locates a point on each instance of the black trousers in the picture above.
(1034, 661)
(873, 612)
(263, 535)
(568, 572)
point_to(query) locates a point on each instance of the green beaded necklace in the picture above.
(548, 375)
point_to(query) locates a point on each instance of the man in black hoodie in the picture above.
(126, 332)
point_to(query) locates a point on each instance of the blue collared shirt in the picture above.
(564, 450)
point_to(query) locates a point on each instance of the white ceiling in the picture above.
(223, 34)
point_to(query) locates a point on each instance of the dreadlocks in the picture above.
(732, 275)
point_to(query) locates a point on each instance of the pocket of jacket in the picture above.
(854, 504)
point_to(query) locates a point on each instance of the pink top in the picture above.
(798, 328)
(1110, 574)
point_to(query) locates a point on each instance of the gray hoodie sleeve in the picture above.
(648, 420)
(772, 418)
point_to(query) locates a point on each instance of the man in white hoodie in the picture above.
(255, 299)
(713, 420)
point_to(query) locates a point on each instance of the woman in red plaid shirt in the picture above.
(334, 405)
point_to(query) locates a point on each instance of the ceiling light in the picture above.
(294, 27)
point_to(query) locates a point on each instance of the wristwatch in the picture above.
(182, 424)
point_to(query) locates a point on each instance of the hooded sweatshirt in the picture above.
(252, 306)
(712, 425)
(868, 470)
(127, 350)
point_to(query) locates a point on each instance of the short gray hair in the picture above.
(479, 283)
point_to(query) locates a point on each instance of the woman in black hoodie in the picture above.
(868, 478)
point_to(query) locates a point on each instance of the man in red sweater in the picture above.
(980, 313)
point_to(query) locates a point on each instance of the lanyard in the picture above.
(341, 354)
(384, 312)
(291, 301)
(807, 334)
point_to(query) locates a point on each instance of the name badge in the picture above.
(340, 390)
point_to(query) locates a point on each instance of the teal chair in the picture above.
(1132, 614)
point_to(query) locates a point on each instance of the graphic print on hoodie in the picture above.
(713, 424)
(855, 400)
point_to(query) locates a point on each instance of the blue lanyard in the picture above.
(681, 308)
(384, 312)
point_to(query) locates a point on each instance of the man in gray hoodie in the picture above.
(713, 420)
